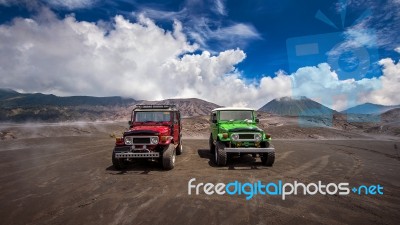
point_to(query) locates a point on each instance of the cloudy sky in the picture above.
(234, 53)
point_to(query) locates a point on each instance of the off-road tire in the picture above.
(211, 144)
(179, 148)
(220, 154)
(119, 164)
(168, 158)
(268, 159)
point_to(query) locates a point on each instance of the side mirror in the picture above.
(257, 120)
(214, 121)
(130, 123)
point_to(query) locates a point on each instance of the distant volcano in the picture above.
(296, 106)
(369, 108)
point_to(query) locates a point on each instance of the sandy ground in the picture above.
(52, 177)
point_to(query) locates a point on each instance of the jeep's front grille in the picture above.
(246, 136)
(138, 140)
(141, 140)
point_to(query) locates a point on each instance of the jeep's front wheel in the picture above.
(119, 164)
(168, 158)
(268, 159)
(179, 148)
(220, 154)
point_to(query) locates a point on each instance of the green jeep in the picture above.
(234, 132)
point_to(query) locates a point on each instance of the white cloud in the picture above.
(10, 2)
(139, 60)
(29, 4)
(164, 15)
(377, 25)
(323, 85)
(34, 4)
(71, 4)
(382, 19)
(245, 31)
(220, 7)
(4, 2)
(143, 61)
(358, 36)
(232, 36)
(398, 48)
(389, 93)
(204, 28)
(70, 57)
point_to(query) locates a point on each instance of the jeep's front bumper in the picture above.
(128, 152)
(249, 150)
(131, 155)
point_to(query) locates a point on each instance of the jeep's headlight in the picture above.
(165, 138)
(257, 137)
(128, 140)
(154, 140)
(235, 137)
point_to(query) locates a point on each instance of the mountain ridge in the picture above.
(369, 108)
(38, 107)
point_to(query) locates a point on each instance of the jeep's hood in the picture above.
(239, 127)
(150, 130)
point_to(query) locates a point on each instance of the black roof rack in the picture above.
(155, 106)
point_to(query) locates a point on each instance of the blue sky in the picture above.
(271, 23)
(277, 37)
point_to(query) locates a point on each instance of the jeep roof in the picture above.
(231, 108)
(155, 108)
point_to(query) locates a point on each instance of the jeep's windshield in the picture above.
(152, 116)
(235, 115)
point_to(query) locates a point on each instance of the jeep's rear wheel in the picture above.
(119, 164)
(268, 159)
(168, 158)
(179, 148)
(220, 154)
(211, 144)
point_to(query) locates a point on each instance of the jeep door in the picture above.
(176, 126)
(214, 126)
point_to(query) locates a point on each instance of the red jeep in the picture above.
(155, 133)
